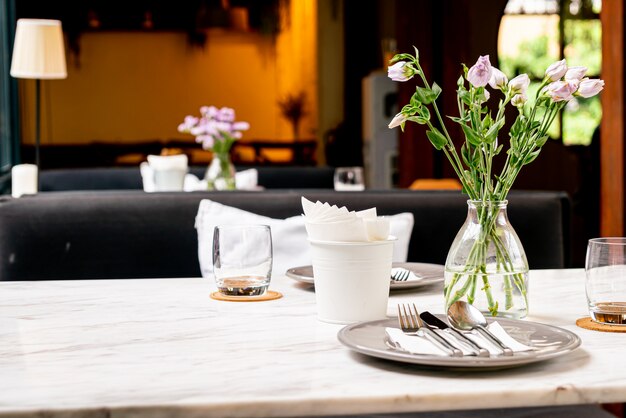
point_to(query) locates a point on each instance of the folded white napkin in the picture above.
(244, 180)
(331, 223)
(417, 344)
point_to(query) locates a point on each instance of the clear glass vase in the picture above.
(486, 264)
(220, 175)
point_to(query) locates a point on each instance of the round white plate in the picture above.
(428, 274)
(370, 338)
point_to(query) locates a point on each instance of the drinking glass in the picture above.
(606, 280)
(242, 259)
(349, 179)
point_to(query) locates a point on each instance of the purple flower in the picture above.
(213, 125)
(498, 79)
(400, 71)
(556, 71)
(562, 90)
(575, 73)
(480, 73)
(590, 87)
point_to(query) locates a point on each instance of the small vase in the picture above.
(220, 174)
(486, 264)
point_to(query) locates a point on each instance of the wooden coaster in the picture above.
(588, 323)
(269, 295)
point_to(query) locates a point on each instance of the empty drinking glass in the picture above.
(349, 179)
(606, 280)
(242, 259)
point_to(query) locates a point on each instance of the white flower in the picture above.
(575, 73)
(590, 87)
(400, 71)
(480, 73)
(519, 100)
(498, 79)
(519, 84)
(556, 71)
(397, 120)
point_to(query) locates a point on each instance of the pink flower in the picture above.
(590, 87)
(480, 73)
(400, 71)
(556, 71)
(575, 73)
(562, 90)
(397, 120)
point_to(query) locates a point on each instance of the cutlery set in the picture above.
(462, 317)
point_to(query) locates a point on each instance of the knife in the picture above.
(436, 322)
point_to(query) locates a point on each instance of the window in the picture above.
(536, 33)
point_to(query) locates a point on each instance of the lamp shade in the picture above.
(39, 50)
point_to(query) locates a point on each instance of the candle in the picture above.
(23, 179)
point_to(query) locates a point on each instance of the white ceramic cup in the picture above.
(351, 279)
(23, 180)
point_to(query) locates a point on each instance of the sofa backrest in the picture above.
(132, 234)
(129, 178)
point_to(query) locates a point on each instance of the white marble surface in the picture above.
(160, 347)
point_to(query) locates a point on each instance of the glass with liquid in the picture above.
(605, 267)
(242, 259)
(349, 179)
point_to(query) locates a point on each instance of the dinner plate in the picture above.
(428, 273)
(370, 338)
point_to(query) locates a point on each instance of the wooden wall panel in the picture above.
(612, 126)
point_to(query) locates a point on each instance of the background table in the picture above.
(137, 347)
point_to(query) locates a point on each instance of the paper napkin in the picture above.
(416, 344)
(332, 223)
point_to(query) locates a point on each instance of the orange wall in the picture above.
(138, 86)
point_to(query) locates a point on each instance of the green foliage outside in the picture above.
(582, 47)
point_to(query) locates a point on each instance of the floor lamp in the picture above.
(39, 54)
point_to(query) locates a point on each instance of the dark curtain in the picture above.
(9, 138)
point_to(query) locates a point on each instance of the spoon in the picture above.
(464, 316)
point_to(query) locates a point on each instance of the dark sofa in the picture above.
(132, 234)
(129, 178)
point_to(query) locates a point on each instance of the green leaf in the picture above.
(424, 113)
(465, 155)
(418, 119)
(417, 53)
(460, 82)
(492, 133)
(436, 89)
(425, 95)
(531, 157)
(517, 127)
(542, 141)
(471, 135)
(436, 138)
(497, 151)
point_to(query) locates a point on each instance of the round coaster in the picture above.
(588, 323)
(269, 295)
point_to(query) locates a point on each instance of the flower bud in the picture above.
(562, 90)
(498, 79)
(575, 73)
(519, 100)
(556, 71)
(480, 73)
(590, 87)
(400, 71)
(519, 84)
(397, 120)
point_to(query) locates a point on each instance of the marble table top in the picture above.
(137, 348)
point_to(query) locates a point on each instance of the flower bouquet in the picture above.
(217, 130)
(486, 264)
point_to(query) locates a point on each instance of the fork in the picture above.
(411, 323)
(400, 275)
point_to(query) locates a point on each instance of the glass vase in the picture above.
(220, 174)
(486, 264)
